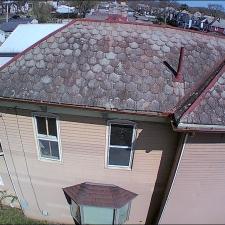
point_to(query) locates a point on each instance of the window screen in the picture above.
(120, 145)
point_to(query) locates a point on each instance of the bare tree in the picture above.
(42, 11)
(83, 6)
(216, 10)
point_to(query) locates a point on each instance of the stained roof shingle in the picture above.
(112, 65)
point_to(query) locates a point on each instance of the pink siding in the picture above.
(197, 195)
(83, 142)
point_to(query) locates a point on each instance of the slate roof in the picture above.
(101, 195)
(112, 65)
(208, 108)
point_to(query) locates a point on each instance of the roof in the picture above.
(117, 66)
(208, 108)
(220, 23)
(24, 36)
(12, 24)
(100, 195)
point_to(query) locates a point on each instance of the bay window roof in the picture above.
(100, 195)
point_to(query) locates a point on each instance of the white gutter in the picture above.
(174, 178)
(201, 127)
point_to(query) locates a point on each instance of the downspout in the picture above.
(172, 178)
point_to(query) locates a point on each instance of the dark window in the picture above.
(41, 125)
(52, 127)
(120, 145)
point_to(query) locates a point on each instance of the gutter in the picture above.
(82, 107)
(184, 127)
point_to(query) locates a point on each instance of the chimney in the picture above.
(179, 74)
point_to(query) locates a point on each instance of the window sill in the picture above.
(118, 168)
(50, 160)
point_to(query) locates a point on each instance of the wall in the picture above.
(83, 141)
(197, 195)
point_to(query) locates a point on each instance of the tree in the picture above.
(216, 10)
(83, 6)
(184, 7)
(42, 11)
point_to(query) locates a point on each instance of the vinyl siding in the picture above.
(197, 195)
(83, 142)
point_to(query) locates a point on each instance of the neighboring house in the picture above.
(96, 126)
(23, 37)
(218, 26)
(10, 26)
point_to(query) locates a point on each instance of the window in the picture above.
(47, 137)
(120, 144)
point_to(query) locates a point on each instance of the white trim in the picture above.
(45, 137)
(201, 126)
(175, 175)
(108, 132)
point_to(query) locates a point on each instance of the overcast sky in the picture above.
(203, 3)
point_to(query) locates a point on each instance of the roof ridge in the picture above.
(104, 21)
(191, 102)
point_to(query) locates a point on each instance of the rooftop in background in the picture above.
(13, 23)
(24, 36)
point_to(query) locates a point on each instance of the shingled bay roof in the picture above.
(112, 65)
(102, 195)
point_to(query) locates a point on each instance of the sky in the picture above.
(203, 3)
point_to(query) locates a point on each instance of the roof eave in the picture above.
(93, 108)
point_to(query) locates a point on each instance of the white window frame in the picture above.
(47, 137)
(120, 122)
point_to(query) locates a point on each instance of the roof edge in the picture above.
(198, 94)
(93, 108)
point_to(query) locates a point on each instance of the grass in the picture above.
(15, 216)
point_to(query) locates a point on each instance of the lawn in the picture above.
(15, 216)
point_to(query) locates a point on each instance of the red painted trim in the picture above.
(202, 95)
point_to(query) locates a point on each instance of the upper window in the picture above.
(47, 137)
(120, 144)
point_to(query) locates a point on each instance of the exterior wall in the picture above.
(83, 141)
(5, 183)
(197, 195)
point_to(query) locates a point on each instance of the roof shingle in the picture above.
(112, 65)
(101, 195)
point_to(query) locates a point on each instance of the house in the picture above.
(98, 126)
(30, 33)
(10, 26)
(218, 26)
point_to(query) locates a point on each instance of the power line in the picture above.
(10, 151)
(26, 163)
